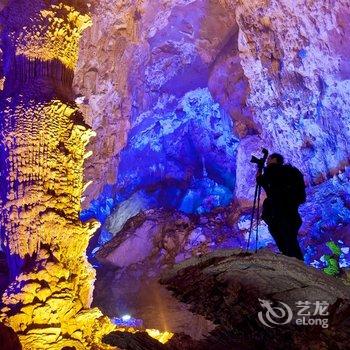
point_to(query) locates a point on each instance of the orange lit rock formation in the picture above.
(42, 144)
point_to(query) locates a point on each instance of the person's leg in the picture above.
(292, 225)
(277, 232)
(295, 244)
(284, 232)
(292, 246)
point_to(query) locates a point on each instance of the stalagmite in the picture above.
(42, 149)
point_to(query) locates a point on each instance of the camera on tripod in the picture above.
(260, 162)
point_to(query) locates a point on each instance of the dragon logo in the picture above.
(274, 315)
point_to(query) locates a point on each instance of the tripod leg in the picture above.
(252, 216)
(257, 220)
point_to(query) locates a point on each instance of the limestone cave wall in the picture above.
(181, 93)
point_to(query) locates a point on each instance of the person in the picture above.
(285, 191)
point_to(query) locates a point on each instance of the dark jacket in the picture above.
(285, 190)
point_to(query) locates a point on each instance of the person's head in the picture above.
(275, 158)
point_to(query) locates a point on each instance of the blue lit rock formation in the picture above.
(151, 61)
(179, 155)
(182, 153)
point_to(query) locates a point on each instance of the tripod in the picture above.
(256, 206)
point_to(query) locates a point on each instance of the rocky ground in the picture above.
(156, 240)
(131, 264)
(226, 286)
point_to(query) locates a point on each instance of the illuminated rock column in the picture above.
(42, 150)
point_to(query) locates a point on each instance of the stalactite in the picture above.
(42, 150)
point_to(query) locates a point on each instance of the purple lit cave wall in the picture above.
(181, 93)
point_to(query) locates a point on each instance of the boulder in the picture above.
(9, 339)
(231, 288)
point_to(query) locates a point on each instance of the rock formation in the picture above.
(226, 286)
(9, 339)
(42, 150)
(155, 240)
(149, 243)
(130, 341)
(127, 281)
(165, 87)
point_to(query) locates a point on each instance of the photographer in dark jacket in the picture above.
(285, 190)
